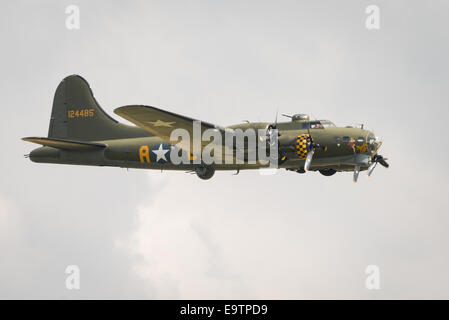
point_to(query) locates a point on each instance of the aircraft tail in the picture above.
(77, 116)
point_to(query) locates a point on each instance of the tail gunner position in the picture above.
(81, 133)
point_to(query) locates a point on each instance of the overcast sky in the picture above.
(151, 235)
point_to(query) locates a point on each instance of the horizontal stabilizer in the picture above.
(65, 144)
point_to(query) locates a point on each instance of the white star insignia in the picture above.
(160, 153)
(160, 123)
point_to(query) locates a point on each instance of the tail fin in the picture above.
(76, 115)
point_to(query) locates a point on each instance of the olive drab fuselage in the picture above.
(81, 133)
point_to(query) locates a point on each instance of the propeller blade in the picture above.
(276, 119)
(356, 173)
(371, 168)
(383, 162)
(308, 131)
(309, 159)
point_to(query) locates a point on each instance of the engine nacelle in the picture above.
(302, 145)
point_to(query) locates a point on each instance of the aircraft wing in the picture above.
(161, 123)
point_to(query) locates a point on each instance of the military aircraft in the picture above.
(81, 133)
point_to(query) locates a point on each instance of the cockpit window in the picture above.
(322, 124)
(360, 140)
(313, 125)
(327, 124)
(316, 125)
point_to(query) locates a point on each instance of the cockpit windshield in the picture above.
(322, 124)
(316, 125)
(327, 123)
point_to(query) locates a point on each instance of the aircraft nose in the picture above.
(374, 142)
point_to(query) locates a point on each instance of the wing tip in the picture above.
(30, 139)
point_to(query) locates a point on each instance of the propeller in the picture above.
(270, 136)
(309, 159)
(313, 146)
(377, 159)
(356, 174)
(371, 168)
(383, 161)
